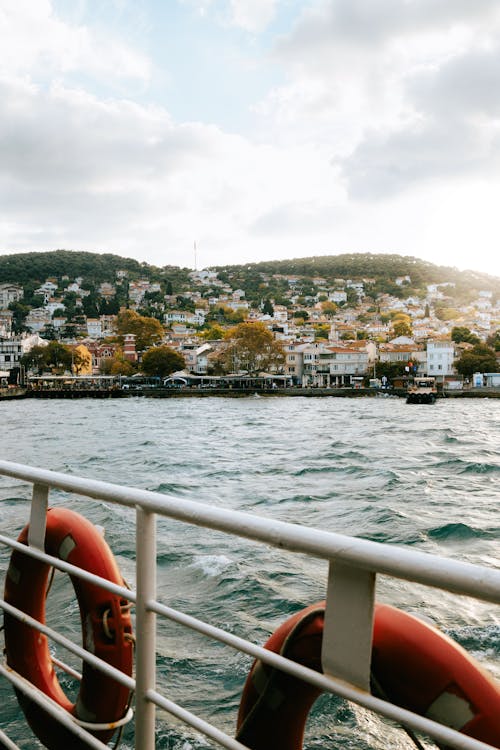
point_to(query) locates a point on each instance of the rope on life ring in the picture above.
(414, 665)
(106, 632)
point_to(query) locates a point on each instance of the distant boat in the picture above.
(422, 391)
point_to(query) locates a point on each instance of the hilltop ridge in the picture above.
(35, 267)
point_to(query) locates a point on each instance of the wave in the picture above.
(462, 466)
(455, 532)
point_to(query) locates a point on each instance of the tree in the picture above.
(147, 331)
(402, 329)
(58, 357)
(494, 341)
(251, 347)
(20, 313)
(116, 365)
(401, 324)
(55, 357)
(82, 360)
(321, 331)
(481, 358)
(213, 333)
(461, 333)
(267, 308)
(329, 308)
(161, 361)
(34, 360)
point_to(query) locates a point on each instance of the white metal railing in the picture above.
(351, 585)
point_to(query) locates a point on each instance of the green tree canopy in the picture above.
(494, 341)
(212, 333)
(481, 358)
(147, 331)
(55, 357)
(461, 333)
(267, 307)
(162, 361)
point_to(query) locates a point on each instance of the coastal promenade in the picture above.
(148, 392)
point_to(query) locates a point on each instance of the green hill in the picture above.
(33, 268)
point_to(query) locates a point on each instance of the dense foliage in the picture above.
(32, 269)
(378, 271)
(147, 331)
(161, 361)
(251, 348)
(481, 358)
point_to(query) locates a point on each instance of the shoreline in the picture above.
(20, 393)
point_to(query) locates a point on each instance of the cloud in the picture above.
(387, 107)
(399, 92)
(77, 171)
(35, 42)
(252, 15)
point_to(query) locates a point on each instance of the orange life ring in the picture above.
(414, 665)
(106, 630)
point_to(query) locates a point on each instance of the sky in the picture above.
(207, 132)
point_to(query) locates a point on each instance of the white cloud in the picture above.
(34, 41)
(84, 171)
(383, 139)
(400, 93)
(252, 15)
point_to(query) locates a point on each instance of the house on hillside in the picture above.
(10, 293)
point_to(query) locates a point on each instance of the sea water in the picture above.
(424, 476)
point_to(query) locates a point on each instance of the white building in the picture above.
(11, 350)
(10, 293)
(440, 357)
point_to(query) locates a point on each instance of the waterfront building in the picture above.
(394, 353)
(12, 349)
(441, 354)
(342, 365)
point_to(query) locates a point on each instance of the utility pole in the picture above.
(195, 260)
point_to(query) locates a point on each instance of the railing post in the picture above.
(38, 516)
(145, 628)
(347, 636)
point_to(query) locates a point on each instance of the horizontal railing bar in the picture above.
(66, 668)
(194, 721)
(91, 659)
(51, 707)
(454, 575)
(324, 682)
(66, 567)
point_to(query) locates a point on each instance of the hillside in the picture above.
(32, 269)
(363, 265)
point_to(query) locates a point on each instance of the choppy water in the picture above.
(418, 475)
